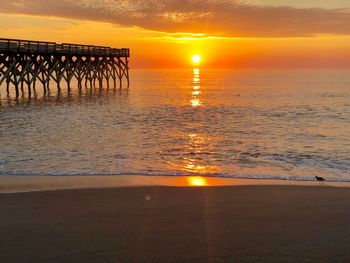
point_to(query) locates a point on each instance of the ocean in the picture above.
(282, 124)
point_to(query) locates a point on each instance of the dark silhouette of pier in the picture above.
(23, 63)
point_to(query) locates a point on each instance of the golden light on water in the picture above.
(196, 79)
(197, 181)
(195, 101)
(196, 158)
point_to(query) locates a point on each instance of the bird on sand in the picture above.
(320, 179)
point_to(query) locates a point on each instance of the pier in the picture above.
(24, 63)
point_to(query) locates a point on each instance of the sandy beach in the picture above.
(171, 131)
(177, 224)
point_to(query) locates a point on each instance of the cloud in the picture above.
(210, 17)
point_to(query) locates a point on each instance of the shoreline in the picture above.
(177, 224)
(21, 184)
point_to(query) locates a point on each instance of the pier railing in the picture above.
(27, 46)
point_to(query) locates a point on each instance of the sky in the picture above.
(166, 33)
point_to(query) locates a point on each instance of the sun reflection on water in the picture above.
(197, 155)
(195, 101)
(196, 79)
(197, 150)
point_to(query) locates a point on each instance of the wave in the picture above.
(305, 178)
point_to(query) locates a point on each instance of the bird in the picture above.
(320, 179)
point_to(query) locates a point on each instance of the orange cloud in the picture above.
(211, 17)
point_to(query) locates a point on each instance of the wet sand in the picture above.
(177, 224)
(16, 184)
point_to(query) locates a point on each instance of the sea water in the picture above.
(290, 125)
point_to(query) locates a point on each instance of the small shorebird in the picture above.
(320, 179)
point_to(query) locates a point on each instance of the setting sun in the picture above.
(196, 59)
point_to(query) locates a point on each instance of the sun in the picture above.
(196, 59)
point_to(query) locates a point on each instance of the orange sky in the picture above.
(227, 34)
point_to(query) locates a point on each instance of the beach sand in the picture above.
(177, 224)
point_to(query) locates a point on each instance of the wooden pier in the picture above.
(23, 63)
